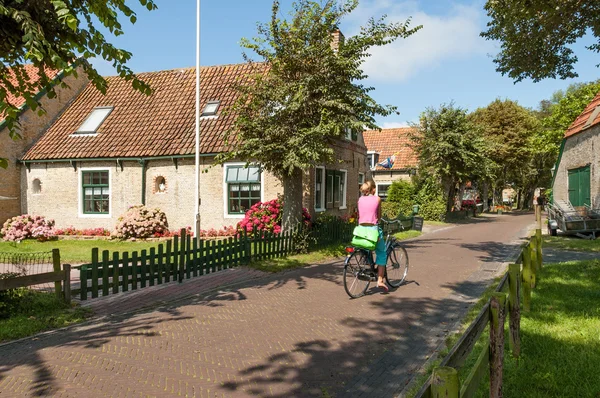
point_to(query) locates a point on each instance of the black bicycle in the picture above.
(360, 268)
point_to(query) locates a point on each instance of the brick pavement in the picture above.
(291, 334)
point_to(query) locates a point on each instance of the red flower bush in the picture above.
(266, 216)
(71, 231)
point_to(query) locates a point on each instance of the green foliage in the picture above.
(536, 35)
(33, 312)
(430, 198)
(450, 145)
(402, 193)
(305, 94)
(572, 243)
(9, 299)
(51, 34)
(392, 209)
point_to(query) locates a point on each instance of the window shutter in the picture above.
(354, 135)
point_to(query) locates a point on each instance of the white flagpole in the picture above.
(197, 196)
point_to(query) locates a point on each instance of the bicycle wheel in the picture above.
(397, 265)
(356, 274)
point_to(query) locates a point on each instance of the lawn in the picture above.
(34, 312)
(571, 243)
(75, 251)
(318, 256)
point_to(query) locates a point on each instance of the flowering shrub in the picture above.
(28, 227)
(141, 222)
(266, 216)
(83, 232)
(176, 232)
(226, 231)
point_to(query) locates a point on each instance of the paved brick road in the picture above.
(292, 334)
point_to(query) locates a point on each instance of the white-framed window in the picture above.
(94, 120)
(211, 109)
(372, 159)
(319, 189)
(335, 189)
(94, 192)
(361, 180)
(382, 190)
(242, 188)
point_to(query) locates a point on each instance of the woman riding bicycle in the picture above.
(369, 213)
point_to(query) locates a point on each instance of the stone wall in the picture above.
(580, 150)
(32, 127)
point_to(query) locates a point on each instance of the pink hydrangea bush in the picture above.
(28, 226)
(225, 232)
(71, 231)
(140, 222)
(266, 216)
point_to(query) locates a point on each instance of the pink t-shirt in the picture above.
(368, 207)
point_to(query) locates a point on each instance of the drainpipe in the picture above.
(143, 163)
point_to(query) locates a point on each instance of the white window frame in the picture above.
(343, 205)
(226, 214)
(320, 169)
(389, 184)
(372, 163)
(94, 132)
(361, 178)
(80, 192)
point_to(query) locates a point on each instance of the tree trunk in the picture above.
(459, 197)
(292, 200)
(450, 190)
(485, 195)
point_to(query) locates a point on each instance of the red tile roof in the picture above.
(582, 120)
(34, 76)
(388, 142)
(162, 124)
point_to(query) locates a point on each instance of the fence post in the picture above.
(534, 260)
(497, 315)
(182, 255)
(56, 267)
(67, 281)
(514, 324)
(538, 235)
(444, 383)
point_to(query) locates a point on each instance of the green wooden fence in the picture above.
(504, 304)
(184, 257)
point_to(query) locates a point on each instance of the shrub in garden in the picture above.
(27, 226)
(431, 199)
(9, 299)
(140, 222)
(402, 193)
(224, 232)
(266, 216)
(71, 231)
(391, 210)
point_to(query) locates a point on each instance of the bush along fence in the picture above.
(26, 270)
(518, 281)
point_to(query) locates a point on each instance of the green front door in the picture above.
(579, 186)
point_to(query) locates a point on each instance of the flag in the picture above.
(388, 163)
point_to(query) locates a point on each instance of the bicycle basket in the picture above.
(365, 237)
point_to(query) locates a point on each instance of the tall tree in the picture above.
(51, 35)
(507, 127)
(450, 146)
(288, 117)
(536, 35)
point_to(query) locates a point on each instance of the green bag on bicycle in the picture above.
(365, 237)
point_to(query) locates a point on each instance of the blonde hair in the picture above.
(367, 187)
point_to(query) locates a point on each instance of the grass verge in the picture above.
(75, 251)
(36, 312)
(571, 243)
(302, 260)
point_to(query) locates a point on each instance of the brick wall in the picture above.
(32, 127)
(579, 151)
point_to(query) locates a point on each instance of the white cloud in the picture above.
(443, 37)
(393, 125)
(102, 66)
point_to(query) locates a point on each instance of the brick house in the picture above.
(384, 144)
(105, 153)
(577, 177)
(31, 128)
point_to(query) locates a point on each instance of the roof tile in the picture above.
(388, 142)
(580, 123)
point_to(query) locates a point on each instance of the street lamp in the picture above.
(197, 192)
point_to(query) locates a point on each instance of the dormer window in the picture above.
(211, 108)
(94, 120)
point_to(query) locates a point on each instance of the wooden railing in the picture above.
(520, 279)
(60, 277)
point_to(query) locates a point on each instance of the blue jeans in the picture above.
(381, 255)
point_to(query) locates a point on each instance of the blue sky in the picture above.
(445, 61)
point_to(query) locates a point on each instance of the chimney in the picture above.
(337, 39)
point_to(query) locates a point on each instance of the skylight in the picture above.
(94, 120)
(592, 117)
(211, 108)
